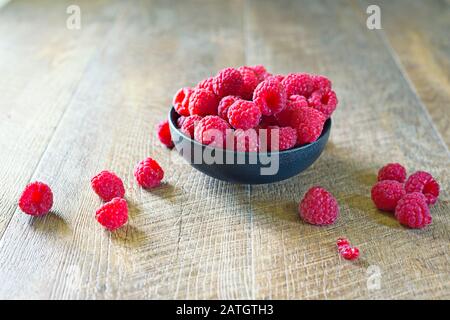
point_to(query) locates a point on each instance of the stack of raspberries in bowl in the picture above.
(249, 109)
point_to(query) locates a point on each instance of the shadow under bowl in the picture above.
(247, 167)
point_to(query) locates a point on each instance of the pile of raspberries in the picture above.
(240, 102)
(410, 199)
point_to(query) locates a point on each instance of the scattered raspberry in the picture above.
(189, 124)
(424, 182)
(297, 101)
(323, 100)
(108, 185)
(342, 242)
(224, 105)
(392, 171)
(412, 211)
(36, 199)
(249, 82)
(148, 173)
(319, 207)
(181, 101)
(307, 121)
(298, 84)
(350, 253)
(270, 96)
(164, 134)
(203, 102)
(180, 121)
(246, 140)
(284, 138)
(260, 72)
(227, 82)
(206, 84)
(113, 214)
(244, 115)
(386, 194)
(321, 83)
(211, 130)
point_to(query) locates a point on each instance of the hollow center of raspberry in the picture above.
(36, 196)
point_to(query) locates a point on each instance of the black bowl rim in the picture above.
(326, 128)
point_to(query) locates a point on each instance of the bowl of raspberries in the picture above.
(246, 125)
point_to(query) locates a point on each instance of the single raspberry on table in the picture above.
(189, 124)
(298, 84)
(212, 130)
(107, 185)
(321, 82)
(350, 253)
(206, 84)
(307, 121)
(284, 138)
(245, 140)
(319, 207)
(392, 171)
(227, 82)
(423, 182)
(148, 173)
(181, 101)
(203, 102)
(386, 194)
(36, 199)
(249, 82)
(164, 135)
(270, 96)
(113, 214)
(324, 101)
(244, 115)
(224, 105)
(412, 211)
(297, 101)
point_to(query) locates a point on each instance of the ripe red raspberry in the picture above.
(321, 82)
(249, 82)
(189, 124)
(392, 171)
(298, 83)
(36, 199)
(412, 211)
(342, 242)
(260, 72)
(113, 214)
(245, 140)
(307, 121)
(224, 105)
(350, 253)
(148, 173)
(206, 84)
(181, 101)
(423, 182)
(227, 82)
(108, 185)
(270, 96)
(244, 115)
(324, 101)
(211, 130)
(284, 138)
(386, 194)
(319, 207)
(164, 135)
(203, 102)
(297, 101)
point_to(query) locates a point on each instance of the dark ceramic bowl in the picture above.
(247, 167)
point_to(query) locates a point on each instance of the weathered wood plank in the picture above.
(189, 238)
(379, 120)
(418, 32)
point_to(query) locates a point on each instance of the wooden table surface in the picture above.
(74, 102)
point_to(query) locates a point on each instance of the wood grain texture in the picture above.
(418, 31)
(195, 237)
